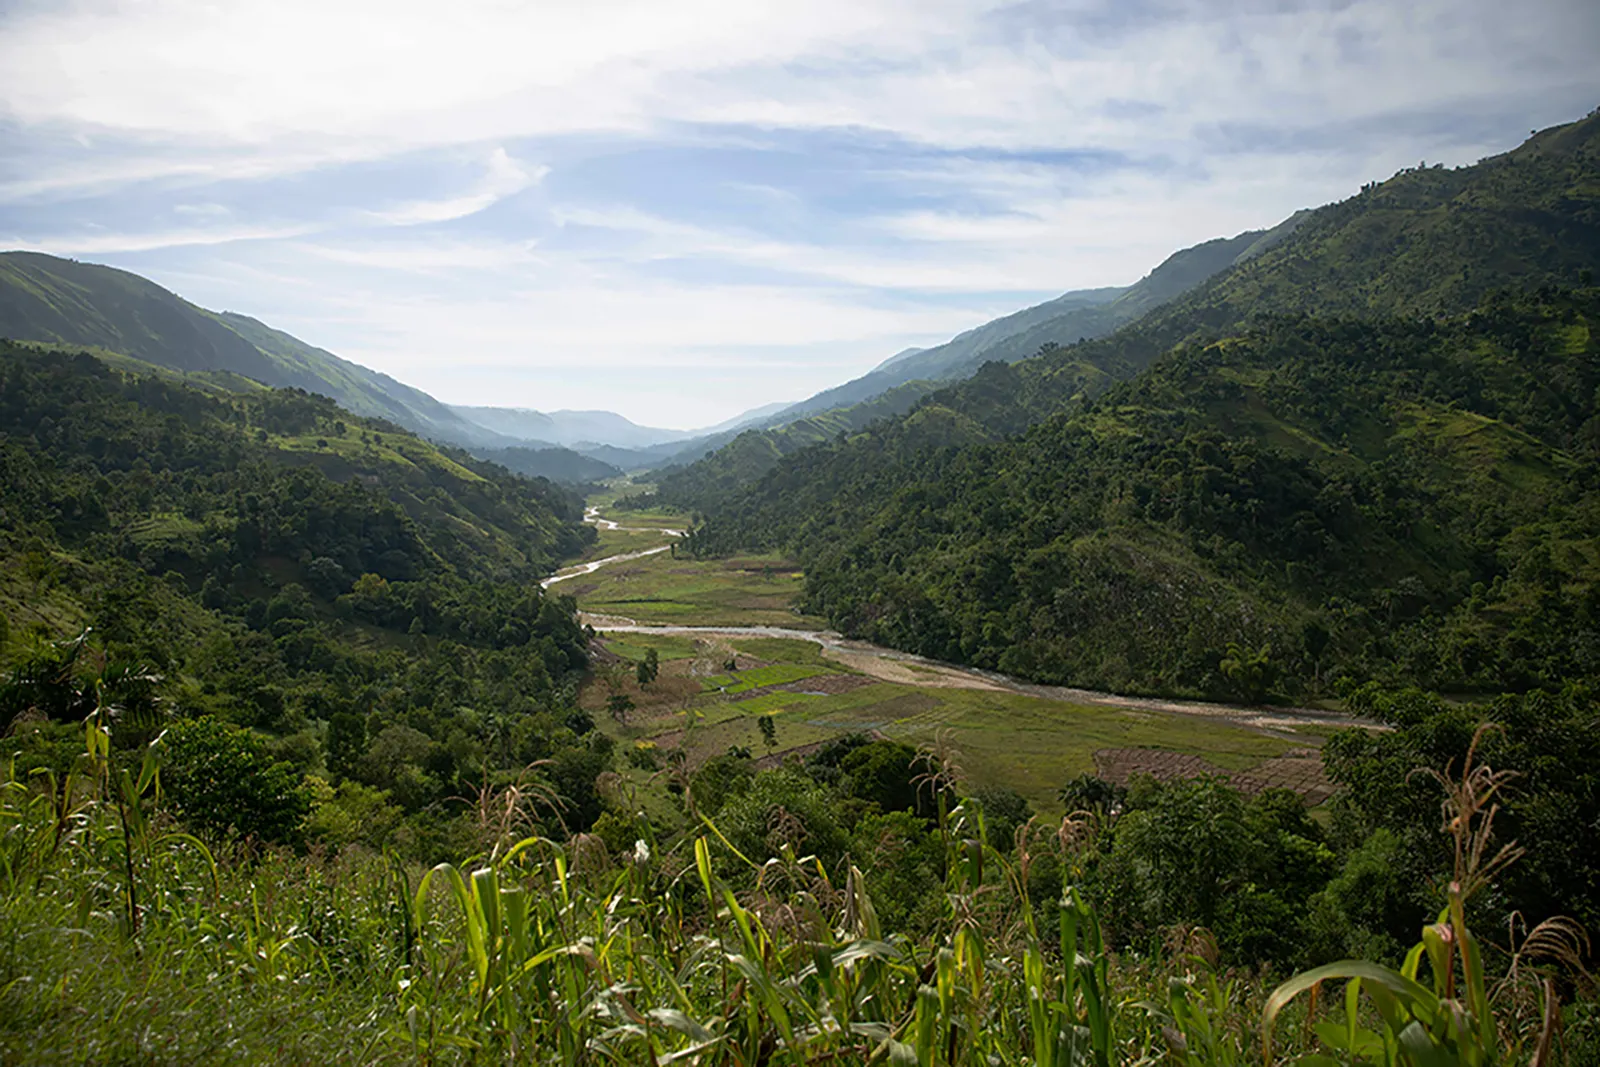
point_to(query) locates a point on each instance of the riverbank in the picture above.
(733, 650)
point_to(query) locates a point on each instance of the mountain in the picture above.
(44, 298)
(1404, 499)
(708, 476)
(903, 354)
(1298, 445)
(561, 465)
(1070, 317)
(754, 415)
(701, 481)
(569, 428)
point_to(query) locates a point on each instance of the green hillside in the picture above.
(1062, 321)
(1428, 241)
(165, 516)
(43, 298)
(882, 519)
(709, 480)
(1411, 499)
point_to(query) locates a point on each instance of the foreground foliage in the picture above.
(126, 940)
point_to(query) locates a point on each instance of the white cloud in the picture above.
(203, 211)
(1207, 119)
(406, 72)
(92, 243)
(504, 177)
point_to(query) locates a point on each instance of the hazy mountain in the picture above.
(557, 464)
(1070, 317)
(754, 415)
(45, 298)
(904, 353)
(569, 429)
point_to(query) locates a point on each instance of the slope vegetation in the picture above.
(1404, 497)
(714, 477)
(1427, 241)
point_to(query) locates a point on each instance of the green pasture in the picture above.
(747, 591)
(1026, 743)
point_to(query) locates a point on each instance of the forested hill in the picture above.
(45, 298)
(1310, 499)
(169, 472)
(355, 593)
(712, 478)
(1427, 241)
(1430, 240)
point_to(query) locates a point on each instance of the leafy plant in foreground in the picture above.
(1451, 1021)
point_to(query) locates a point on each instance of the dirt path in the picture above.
(889, 670)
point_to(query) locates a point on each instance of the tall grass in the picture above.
(122, 940)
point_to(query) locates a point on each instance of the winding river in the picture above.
(873, 659)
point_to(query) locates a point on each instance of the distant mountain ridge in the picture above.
(704, 475)
(1070, 317)
(46, 298)
(569, 428)
(49, 299)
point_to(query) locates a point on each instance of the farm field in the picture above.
(714, 688)
(703, 706)
(661, 589)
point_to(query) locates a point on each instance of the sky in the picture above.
(681, 210)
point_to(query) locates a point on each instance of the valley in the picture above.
(817, 686)
(1129, 680)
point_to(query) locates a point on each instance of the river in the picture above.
(865, 656)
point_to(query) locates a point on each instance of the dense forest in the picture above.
(338, 596)
(754, 452)
(1309, 504)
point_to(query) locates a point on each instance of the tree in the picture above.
(769, 731)
(619, 704)
(648, 667)
(346, 743)
(1314, 636)
(1250, 670)
(326, 578)
(1087, 792)
(884, 773)
(223, 783)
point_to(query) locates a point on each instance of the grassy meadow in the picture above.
(744, 591)
(1000, 738)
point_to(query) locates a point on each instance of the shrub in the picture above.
(223, 783)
